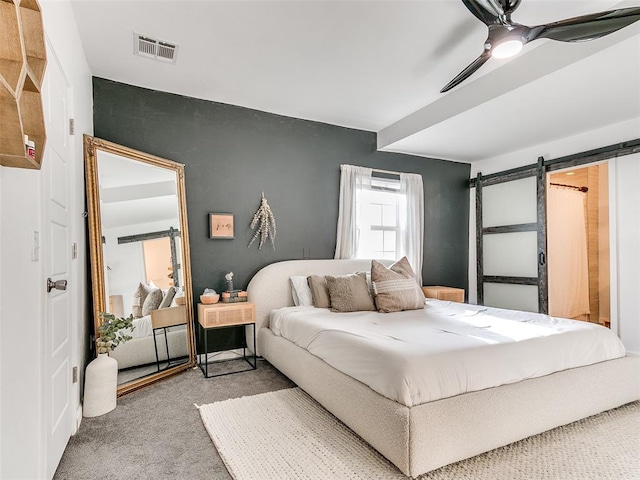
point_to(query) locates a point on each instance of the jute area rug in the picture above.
(287, 435)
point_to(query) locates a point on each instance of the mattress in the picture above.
(445, 349)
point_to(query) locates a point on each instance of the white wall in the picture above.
(609, 135)
(22, 444)
(1, 316)
(22, 325)
(626, 178)
(628, 326)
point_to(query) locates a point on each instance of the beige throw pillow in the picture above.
(319, 291)
(139, 296)
(395, 287)
(350, 293)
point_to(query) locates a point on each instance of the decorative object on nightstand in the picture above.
(209, 296)
(266, 223)
(179, 297)
(234, 296)
(219, 316)
(229, 279)
(444, 293)
(101, 375)
(231, 295)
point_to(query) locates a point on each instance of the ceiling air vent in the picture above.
(154, 48)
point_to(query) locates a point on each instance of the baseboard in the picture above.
(78, 419)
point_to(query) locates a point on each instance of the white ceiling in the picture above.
(377, 66)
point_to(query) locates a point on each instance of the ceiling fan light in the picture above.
(507, 49)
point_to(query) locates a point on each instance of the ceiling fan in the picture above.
(506, 38)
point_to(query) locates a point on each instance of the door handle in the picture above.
(59, 285)
(542, 259)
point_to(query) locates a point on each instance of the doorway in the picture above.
(157, 262)
(578, 243)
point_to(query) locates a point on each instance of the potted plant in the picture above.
(101, 375)
(109, 332)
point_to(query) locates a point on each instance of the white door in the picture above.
(58, 412)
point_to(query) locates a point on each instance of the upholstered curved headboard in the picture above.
(270, 288)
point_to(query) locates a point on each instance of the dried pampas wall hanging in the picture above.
(266, 224)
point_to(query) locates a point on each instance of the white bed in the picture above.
(425, 435)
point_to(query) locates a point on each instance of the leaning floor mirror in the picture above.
(140, 267)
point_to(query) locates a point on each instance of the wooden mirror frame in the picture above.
(91, 146)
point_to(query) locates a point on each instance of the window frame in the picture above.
(382, 184)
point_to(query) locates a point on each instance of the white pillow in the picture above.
(300, 291)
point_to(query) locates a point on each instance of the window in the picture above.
(380, 217)
(378, 227)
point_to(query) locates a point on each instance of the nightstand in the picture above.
(224, 315)
(163, 319)
(444, 293)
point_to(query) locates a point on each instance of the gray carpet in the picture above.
(157, 433)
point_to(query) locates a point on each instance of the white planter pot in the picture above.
(100, 386)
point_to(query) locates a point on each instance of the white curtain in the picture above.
(412, 223)
(567, 252)
(353, 180)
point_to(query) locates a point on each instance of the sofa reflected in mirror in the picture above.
(140, 259)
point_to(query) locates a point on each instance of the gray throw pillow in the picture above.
(152, 302)
(167, 298)
(350, 293)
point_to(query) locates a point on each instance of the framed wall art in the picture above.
(221, 226)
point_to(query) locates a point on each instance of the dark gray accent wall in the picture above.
(233, 154)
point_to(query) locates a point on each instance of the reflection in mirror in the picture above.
(141, 260)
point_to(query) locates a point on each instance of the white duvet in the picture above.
(142, 328)
(446, 349)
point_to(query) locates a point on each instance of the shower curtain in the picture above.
(568, 263)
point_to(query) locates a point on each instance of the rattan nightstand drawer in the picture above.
(224, 314)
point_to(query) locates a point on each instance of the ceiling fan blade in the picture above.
(588, 27)
(509, 6)
(467, 72)
(487, 11)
